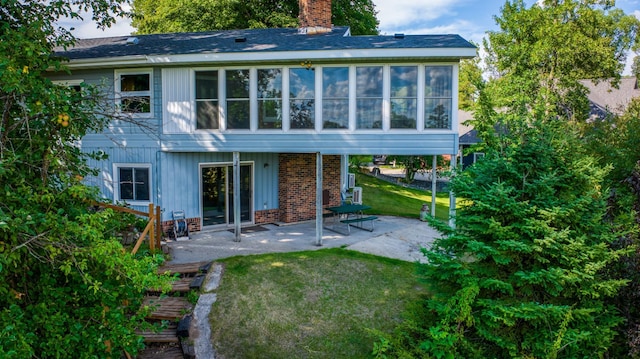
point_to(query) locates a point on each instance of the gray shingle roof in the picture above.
(605, 99)
(256, 41)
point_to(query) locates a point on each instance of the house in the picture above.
(468, 137)
(239, 123)
(605, 100)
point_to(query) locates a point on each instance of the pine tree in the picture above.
(521, 275)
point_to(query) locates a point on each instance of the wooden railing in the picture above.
(153, 228)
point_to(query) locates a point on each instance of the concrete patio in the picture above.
(393, 237)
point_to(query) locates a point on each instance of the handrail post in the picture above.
(158, 226)
(152, 231)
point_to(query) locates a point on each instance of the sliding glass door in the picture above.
(216, 190)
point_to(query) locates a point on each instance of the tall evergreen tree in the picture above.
(522, 274)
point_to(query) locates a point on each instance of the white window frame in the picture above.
(119, 95)
(116, 180)
(477, 156)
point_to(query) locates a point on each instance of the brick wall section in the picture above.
(267, 216)
(297, 187)
(315, 13)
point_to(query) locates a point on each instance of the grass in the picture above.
(313, 304)
(390, 199)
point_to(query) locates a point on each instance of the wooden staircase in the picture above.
(173, 342)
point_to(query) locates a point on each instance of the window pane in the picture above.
(404, 113)
(141, 184)
(369, 113)
(137, 104)
(335, 82)
(126, 183)
(302, 84)
(207, 85)
(369, 81)
(269, 114)
(302, 114)
(302, 94)
(207, 115)
(437, 113)
(238, 99)
(335, 97)
(238, 84)
(438, 81)
(134, 82)
(404, 81)
(238, 114)
(269, 83)
(335, 113)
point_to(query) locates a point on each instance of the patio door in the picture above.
(216, 188)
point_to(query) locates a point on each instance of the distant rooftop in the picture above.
(605, 99)
(251, 41)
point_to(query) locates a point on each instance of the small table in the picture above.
(353, 217)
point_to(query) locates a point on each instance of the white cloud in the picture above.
(399, 15)
(86, 28)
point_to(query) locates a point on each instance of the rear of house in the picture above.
(248, 118)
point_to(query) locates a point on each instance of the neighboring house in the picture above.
(268, 108)
(468, 138)
(605, 99)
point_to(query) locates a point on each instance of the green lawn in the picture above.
(313, 304)
(390, 199)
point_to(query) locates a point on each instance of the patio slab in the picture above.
(393, 237)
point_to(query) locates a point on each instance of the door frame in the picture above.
(227, 164)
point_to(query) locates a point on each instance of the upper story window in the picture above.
(269, 98)
(238, 114)
(133, 182)
(438, 97)
(369, 96)
(134, 91)
(207, 103)
(404, 97)
(302, 95)
(335, 97)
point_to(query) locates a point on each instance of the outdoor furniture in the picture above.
(351, 215)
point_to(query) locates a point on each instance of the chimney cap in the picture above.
(398, 36)
(241, 39)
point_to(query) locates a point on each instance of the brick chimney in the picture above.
(315, 16)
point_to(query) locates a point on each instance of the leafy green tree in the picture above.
(471, 81)
(67, 288)
(163, 16)
(541, 52)
(522, 274)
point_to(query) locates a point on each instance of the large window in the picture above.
(207, 114)
(369, 97)
(302, 94)
(133, 91)
(438, 101)
(133, 183)
(335, 97)
(269, 98)
(238, 104)
(404, 96)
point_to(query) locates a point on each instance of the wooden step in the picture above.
(167, 335)
(185, 268)
(161, 352)
(181, 285)
(167, 308)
